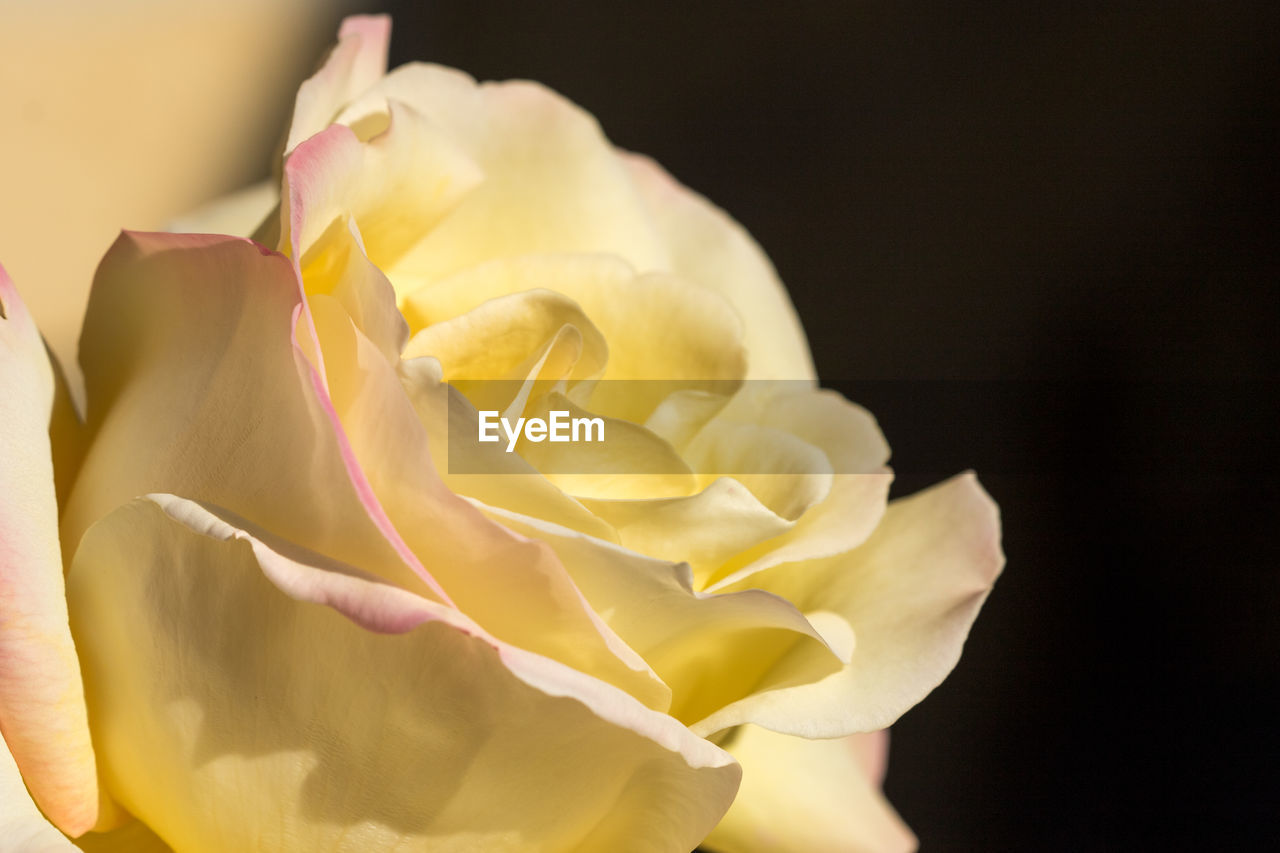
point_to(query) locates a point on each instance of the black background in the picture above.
(1037, 242)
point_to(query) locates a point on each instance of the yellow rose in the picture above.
(297, 626)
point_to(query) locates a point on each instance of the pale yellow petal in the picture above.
(785, 472)
(909, 593)
(713, 650)
(706, 246)
(302, 729)
(514, 587)
(357, 61)
(628, 462)
(195, 384)
(704, 529)
(484, 470)
(808, 796)
(42, 711)
(502, 338)
(396, 185)
(552, 181)
(848, 436)
(339, 266)
(657, 327)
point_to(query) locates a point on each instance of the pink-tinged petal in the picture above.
(396, 186)
(302, 730)
(706, 246)
(809, 796)
(357, 62)
(910, 593)
(196, 383)
(22, 828)
(42, 710)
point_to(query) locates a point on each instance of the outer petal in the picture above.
(302, 729)
(809, 796)
(355, 63)
(705, 245)
(195, 384)
(42, 712)
(910, 593)
(22, 828)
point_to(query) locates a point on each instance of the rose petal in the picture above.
(853, 444)
(785, 472)
(713, 650)
(703, 529)
(705, 245)
(808, 796)
(396, 185)
(302, 730)
(42, 712)
(515, 588)
(22, 827)
(357, 62)
(239, 213)
(630, 462)
(340, 267)
(195, 384)
(552, 182)
(510, 481)
(910, 593)
(657, 327)
(501, 338)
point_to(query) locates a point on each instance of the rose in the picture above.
(294, 630)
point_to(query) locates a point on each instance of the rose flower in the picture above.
(268, 595)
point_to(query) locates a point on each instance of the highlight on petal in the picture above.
(706, 246)
(302, 729)
(809, 796)
(910, 594)
(42, 710)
